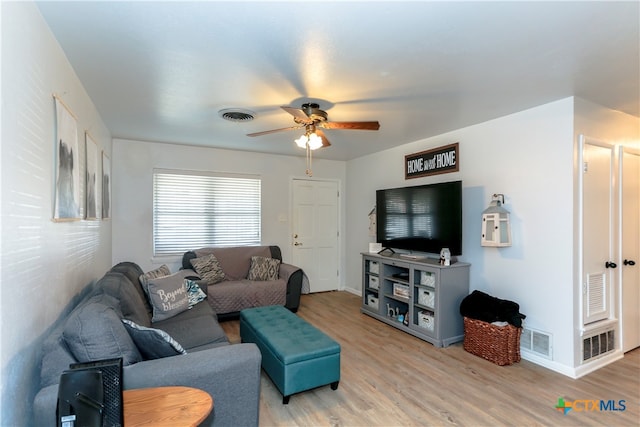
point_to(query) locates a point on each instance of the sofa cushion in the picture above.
(152, 343)
(94, 332)
(133, 272)
(208, 346)
(132, 305)
(168, 296)
(209, 269)
(263, 268)
(200, 309)
(193, 331)
(194, 293)
(56, 357)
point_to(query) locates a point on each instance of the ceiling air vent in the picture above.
(237, 115)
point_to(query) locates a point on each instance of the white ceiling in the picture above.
(161, 71)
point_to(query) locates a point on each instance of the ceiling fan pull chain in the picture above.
(309, 155)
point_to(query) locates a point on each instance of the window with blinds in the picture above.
(193, 210)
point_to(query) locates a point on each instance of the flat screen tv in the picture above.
(423, 218)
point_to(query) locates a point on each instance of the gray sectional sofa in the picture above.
(238, 285)
(93, 330)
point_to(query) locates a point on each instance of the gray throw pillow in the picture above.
(94, 332)
(263, 268)
(168, 296)
(161, 271)
(208, 268)
(153, 343)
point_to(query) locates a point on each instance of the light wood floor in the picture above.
(389, 378)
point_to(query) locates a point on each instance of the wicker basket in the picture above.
(498, 344)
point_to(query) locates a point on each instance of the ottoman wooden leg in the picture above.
(285, 400)
(334, 385)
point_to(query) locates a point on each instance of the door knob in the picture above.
(295, 236)
(297, 244)
(610, 264)
(629, 262)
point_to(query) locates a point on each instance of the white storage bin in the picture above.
(374, 267)
(427, 278)
(374, 282)
(372, 301)
(426, 320)
(426, 297)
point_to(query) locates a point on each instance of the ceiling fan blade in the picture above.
(298, 114)
(325, 141)
(351, 125)
(266, 132)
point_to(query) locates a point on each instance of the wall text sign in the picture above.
(432, 162)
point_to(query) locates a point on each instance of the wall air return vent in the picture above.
(598, 344)
(536, 342)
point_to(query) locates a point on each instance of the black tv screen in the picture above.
(424, 218)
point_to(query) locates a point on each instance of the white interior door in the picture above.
(315, 232)
(597, 230)
(630, 256)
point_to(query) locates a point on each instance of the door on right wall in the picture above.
(597, 231)
(630, 256)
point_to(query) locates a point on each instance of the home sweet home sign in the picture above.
(432, 162)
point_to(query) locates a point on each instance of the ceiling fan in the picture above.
(311, 118)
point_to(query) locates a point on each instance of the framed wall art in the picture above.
(106, 186)
(92, 178)
(67, 167)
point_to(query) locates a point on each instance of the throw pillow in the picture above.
(263, 268)
(208, 268)
(94, 332)
(153, 343)
(194, 292)
(161, 271)
(168, 297)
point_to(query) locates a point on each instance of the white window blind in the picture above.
(194, 210)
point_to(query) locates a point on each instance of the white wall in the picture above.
(530, 158)
(44, 263)
(133, 164)
(527, 156)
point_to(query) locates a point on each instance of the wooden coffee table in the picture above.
(166, 406)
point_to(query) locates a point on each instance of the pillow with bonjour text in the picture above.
(263, 268)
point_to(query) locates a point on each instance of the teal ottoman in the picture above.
(296, 355)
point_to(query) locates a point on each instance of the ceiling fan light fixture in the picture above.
(302, 141)
(237, 115)
(315, 141)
